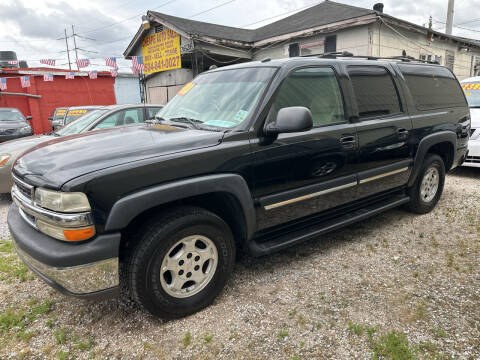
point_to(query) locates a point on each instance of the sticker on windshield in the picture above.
(240, 116)
(186, 88)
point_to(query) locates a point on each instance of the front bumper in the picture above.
(473, 158)
(85, 270)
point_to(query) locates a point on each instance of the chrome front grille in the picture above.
(25, 189)
(473, 159)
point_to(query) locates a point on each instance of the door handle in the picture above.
(402, 133)
(348, 141)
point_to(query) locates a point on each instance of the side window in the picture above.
(110, 121)
(316, 89)
(374, 90)
(151, 112)
(133, 116)
(432, 87)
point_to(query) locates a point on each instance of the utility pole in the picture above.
(449, 25)
(75, 43)
(68, 51)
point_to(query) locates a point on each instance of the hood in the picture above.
(57, 161)
(475, 117)
(21, 145)
(12, 124)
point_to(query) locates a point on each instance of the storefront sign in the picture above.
(161, 51)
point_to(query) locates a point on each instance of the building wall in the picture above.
(127, 90)
(162, 86)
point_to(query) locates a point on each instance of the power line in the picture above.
(213, 8)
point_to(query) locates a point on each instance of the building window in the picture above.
(331, 43)
(375, 91)
(449, 59)
(294, 50)
(159, 28)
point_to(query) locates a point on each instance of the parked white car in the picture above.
(471, 87)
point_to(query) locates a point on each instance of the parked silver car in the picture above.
(102, 118)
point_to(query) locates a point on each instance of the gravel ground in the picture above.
(395, 285)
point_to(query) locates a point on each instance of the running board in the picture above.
(258, 247)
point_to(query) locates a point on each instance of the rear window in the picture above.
(375, 91)
(432, 87)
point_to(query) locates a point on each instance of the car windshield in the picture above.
(74, 114)
(81, 123)
(472, 93)
(59, 114)
(10, 115)
(221, 99)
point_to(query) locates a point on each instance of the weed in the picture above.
(392, 346)
(208, 337)
(439, 333)
(282, 334)
(62, 355)
(84, 345)
(415, 274)
(357, 329)
(301, 321)
(318, 325)
(292, 313)
(187, 339)
(370, 332)
(421, 235)
(60, 336)
(450, 260)
(420, 313)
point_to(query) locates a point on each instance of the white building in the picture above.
(323, 28)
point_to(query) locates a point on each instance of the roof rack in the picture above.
(334, 55)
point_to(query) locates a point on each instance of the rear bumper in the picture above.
(85, 270)
(473, 157)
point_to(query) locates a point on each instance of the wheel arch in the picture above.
(442, 143)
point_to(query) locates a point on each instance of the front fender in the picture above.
(127, 208)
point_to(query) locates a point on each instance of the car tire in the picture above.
(189, 246)
(428, 187)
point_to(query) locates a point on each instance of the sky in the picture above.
(34, 28)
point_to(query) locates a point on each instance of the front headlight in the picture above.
(62, 201)
(4, 159)
(25, 130)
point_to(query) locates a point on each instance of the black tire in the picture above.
(418, 204)
(157, 240)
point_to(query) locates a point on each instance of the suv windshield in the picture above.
(81, 124)
(221, 99)
(472, 93)
(10, 115)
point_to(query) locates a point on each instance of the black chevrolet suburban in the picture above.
(259, 156)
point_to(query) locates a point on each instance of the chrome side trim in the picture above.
(309, 196)
(78, 280)
(51, 217)
(383, 175)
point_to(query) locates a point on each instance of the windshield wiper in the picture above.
(183, 119)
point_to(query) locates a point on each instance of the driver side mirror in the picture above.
(28, 117)
(50, 118)
(289, 120)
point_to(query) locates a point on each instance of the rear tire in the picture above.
(428, 187)
(181, 262)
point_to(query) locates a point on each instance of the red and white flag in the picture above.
(92, 74)
(137, 63)
(69, 75)
(50, 62)
(25, 81)
(111, 61)
(3, 83)
(134, 71)
(12, 62)
(47, 77)
(114, 72)
(81, 63)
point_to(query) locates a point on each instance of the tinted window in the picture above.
(432, 87)
(375, 91)
(316, 89)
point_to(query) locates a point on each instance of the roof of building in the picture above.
(325, 13)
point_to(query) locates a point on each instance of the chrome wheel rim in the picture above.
(188, 266)
(429, 185)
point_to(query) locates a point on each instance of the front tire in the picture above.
(428, 187)
(181, 262)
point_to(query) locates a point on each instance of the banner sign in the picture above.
(161, 51)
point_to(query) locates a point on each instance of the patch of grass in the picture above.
(357, 329)
(208, 337)
(49, 323)
(282, 334)
(6, 246)
(415, 274)
(370, 332)
(439, 333)
(84, 345)
(421, 235)
(450, 260)
(11, 268)
(12, 319)
(393, 346)
(318, 325)
(301, 320)
(15, 319)
(187, 339)
(60, 336)
(62, 355)
(420, 313)
(292, 313)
